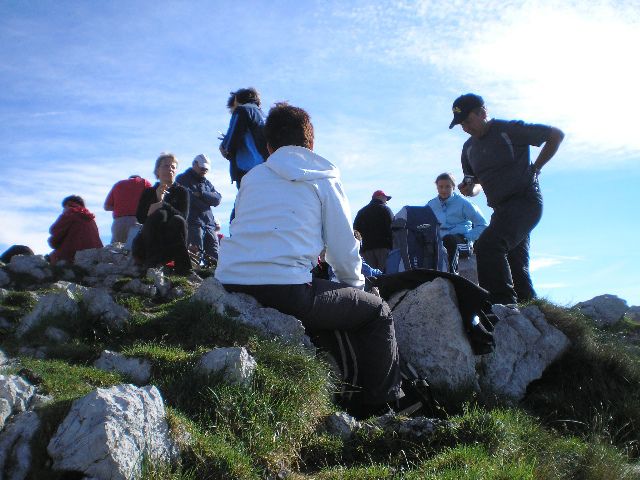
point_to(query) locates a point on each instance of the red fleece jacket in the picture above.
(74, 230)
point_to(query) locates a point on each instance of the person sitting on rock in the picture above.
(461, 221)
(74, 230)
(162, 211)
(287, 210)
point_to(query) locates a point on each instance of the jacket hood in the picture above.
(300, 164)
(81, 212)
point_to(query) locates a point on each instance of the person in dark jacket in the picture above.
(244, 144)
(202, 196)
(374, 224)
(74, 230)
(162, 211)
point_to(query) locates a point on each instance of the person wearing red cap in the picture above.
(496, 159)
(373, 221)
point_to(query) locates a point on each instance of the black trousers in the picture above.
(502, 251)
(366, 342)
(163, 238)
(451, 242)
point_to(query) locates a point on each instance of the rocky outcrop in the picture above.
(604, 309)
(15, 396)
(109, 432)
(100, 305)
(137, 369)
(431, 336)
(34, 266)
(62, 303)
(235, 364)
(525, 345)
(246, 310)
(15, 446)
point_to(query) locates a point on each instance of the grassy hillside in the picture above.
(580, 421)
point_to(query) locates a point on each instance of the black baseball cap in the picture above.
(462, 107)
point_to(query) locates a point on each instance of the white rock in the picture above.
(51, 304)
(16, 393)
(4, 278)
(525, 345)
(138, 369)
(3, 357)
(15, 446)
(341, 424)
(34, 265)
(162, 284)
(246, 310)
(139, 288)
(604, 309)
(74, 289)
(236, 363)
(56, 335)
(108, 432)
(100, 304)
(431, 336)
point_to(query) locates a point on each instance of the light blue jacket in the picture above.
(456, 214)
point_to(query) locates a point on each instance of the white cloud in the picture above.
(539, 262)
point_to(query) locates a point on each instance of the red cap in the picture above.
(380, 193)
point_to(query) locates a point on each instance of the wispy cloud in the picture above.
(539, 262)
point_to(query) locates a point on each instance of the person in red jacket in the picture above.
(123, 200)
(74, 230)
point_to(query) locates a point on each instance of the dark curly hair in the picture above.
(73, 198)
(244, 95)
(288, 125)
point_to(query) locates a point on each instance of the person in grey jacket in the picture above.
(203, 196)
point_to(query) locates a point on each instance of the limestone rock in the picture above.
(341, 424)
(139, 370)
(137, 287)
(51, 304)
(162, 284)
(108, 432)
(3, 358)
(431, 336)
(33, 265)
(74, 289)
(15, 396)
(100, 304)
(604, 309)
(110, 260)
(15, 446)
(248, 311)
(4, 278)
(525, 345)
(236, 363)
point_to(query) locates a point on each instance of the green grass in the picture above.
(580, 421)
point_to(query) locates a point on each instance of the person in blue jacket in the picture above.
(202, 195)
(244, 144)
(460, 220)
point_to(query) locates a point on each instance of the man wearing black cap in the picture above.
(496, 158)
(373, 221)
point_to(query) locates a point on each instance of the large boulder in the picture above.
(100, 304)
(525, 345)
(15, 396)
(138, 369)
(431, 336)
(110, 260)
(108, 433)
(235, 363)
(33, 265)
(15, 446)
(604, 309)
(62, 303)
(4, 278)
(246, 310)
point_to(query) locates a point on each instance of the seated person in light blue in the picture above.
(460, 220)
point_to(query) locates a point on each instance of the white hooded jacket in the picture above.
(287, 210)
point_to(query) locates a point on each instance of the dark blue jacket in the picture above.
(245, 142)
(203, 196)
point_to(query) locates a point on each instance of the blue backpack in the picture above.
(416, 241)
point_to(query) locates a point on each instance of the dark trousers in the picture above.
(451, 242)
(369, 338)
(376, 257)
(163, 238)
(502, 251)
(205, 238)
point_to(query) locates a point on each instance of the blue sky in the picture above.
(91, 92)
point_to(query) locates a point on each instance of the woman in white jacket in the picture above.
(287, 210)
